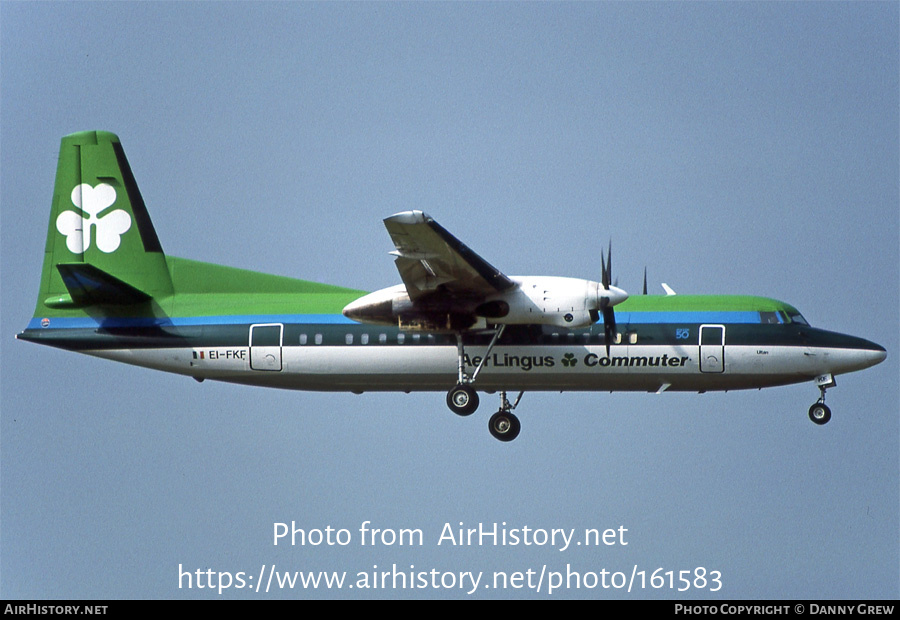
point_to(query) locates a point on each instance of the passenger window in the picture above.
(382, 338)
(348, 338)
(318, 338)
(401, 338)
(302, 338)
(364, 339)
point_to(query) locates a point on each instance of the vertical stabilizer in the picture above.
(101, 246)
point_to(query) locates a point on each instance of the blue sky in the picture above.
(747, 148)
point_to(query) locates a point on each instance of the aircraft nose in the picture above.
(876, 356)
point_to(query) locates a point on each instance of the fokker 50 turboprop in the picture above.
(454, 324)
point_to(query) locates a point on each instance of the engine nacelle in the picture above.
(392, 306)
(565, 302)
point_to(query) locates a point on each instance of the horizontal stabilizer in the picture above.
(91, 286)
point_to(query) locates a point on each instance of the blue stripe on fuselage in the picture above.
(118, 322)
(693, 317)
(624, 318)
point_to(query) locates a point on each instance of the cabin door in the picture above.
(712, 348)
(265, 346)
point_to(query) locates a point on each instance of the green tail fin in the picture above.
(101, 246)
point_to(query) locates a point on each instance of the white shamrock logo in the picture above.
(77, 228)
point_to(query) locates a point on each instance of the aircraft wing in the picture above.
(429, 257)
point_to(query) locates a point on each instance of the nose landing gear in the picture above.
(820, 413)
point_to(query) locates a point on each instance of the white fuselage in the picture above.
(418, 366)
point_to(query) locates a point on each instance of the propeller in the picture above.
(614, 296)
(645, 280)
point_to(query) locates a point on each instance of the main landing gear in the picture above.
(819, 412)
(462, 399)
(504, 425)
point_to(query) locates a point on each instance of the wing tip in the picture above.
(409, 217)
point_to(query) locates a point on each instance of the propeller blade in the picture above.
(604, 274)
(614, 295)
(609, 264)
(609, 326)
(645, 280)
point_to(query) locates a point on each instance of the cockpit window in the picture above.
(769, 318)
(796, 317)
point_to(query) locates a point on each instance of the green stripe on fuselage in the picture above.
(205, 289)
(702, 303)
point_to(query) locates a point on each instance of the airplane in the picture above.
(454, 324)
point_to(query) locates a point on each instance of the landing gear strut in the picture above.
(462, 398)
(819, 412)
